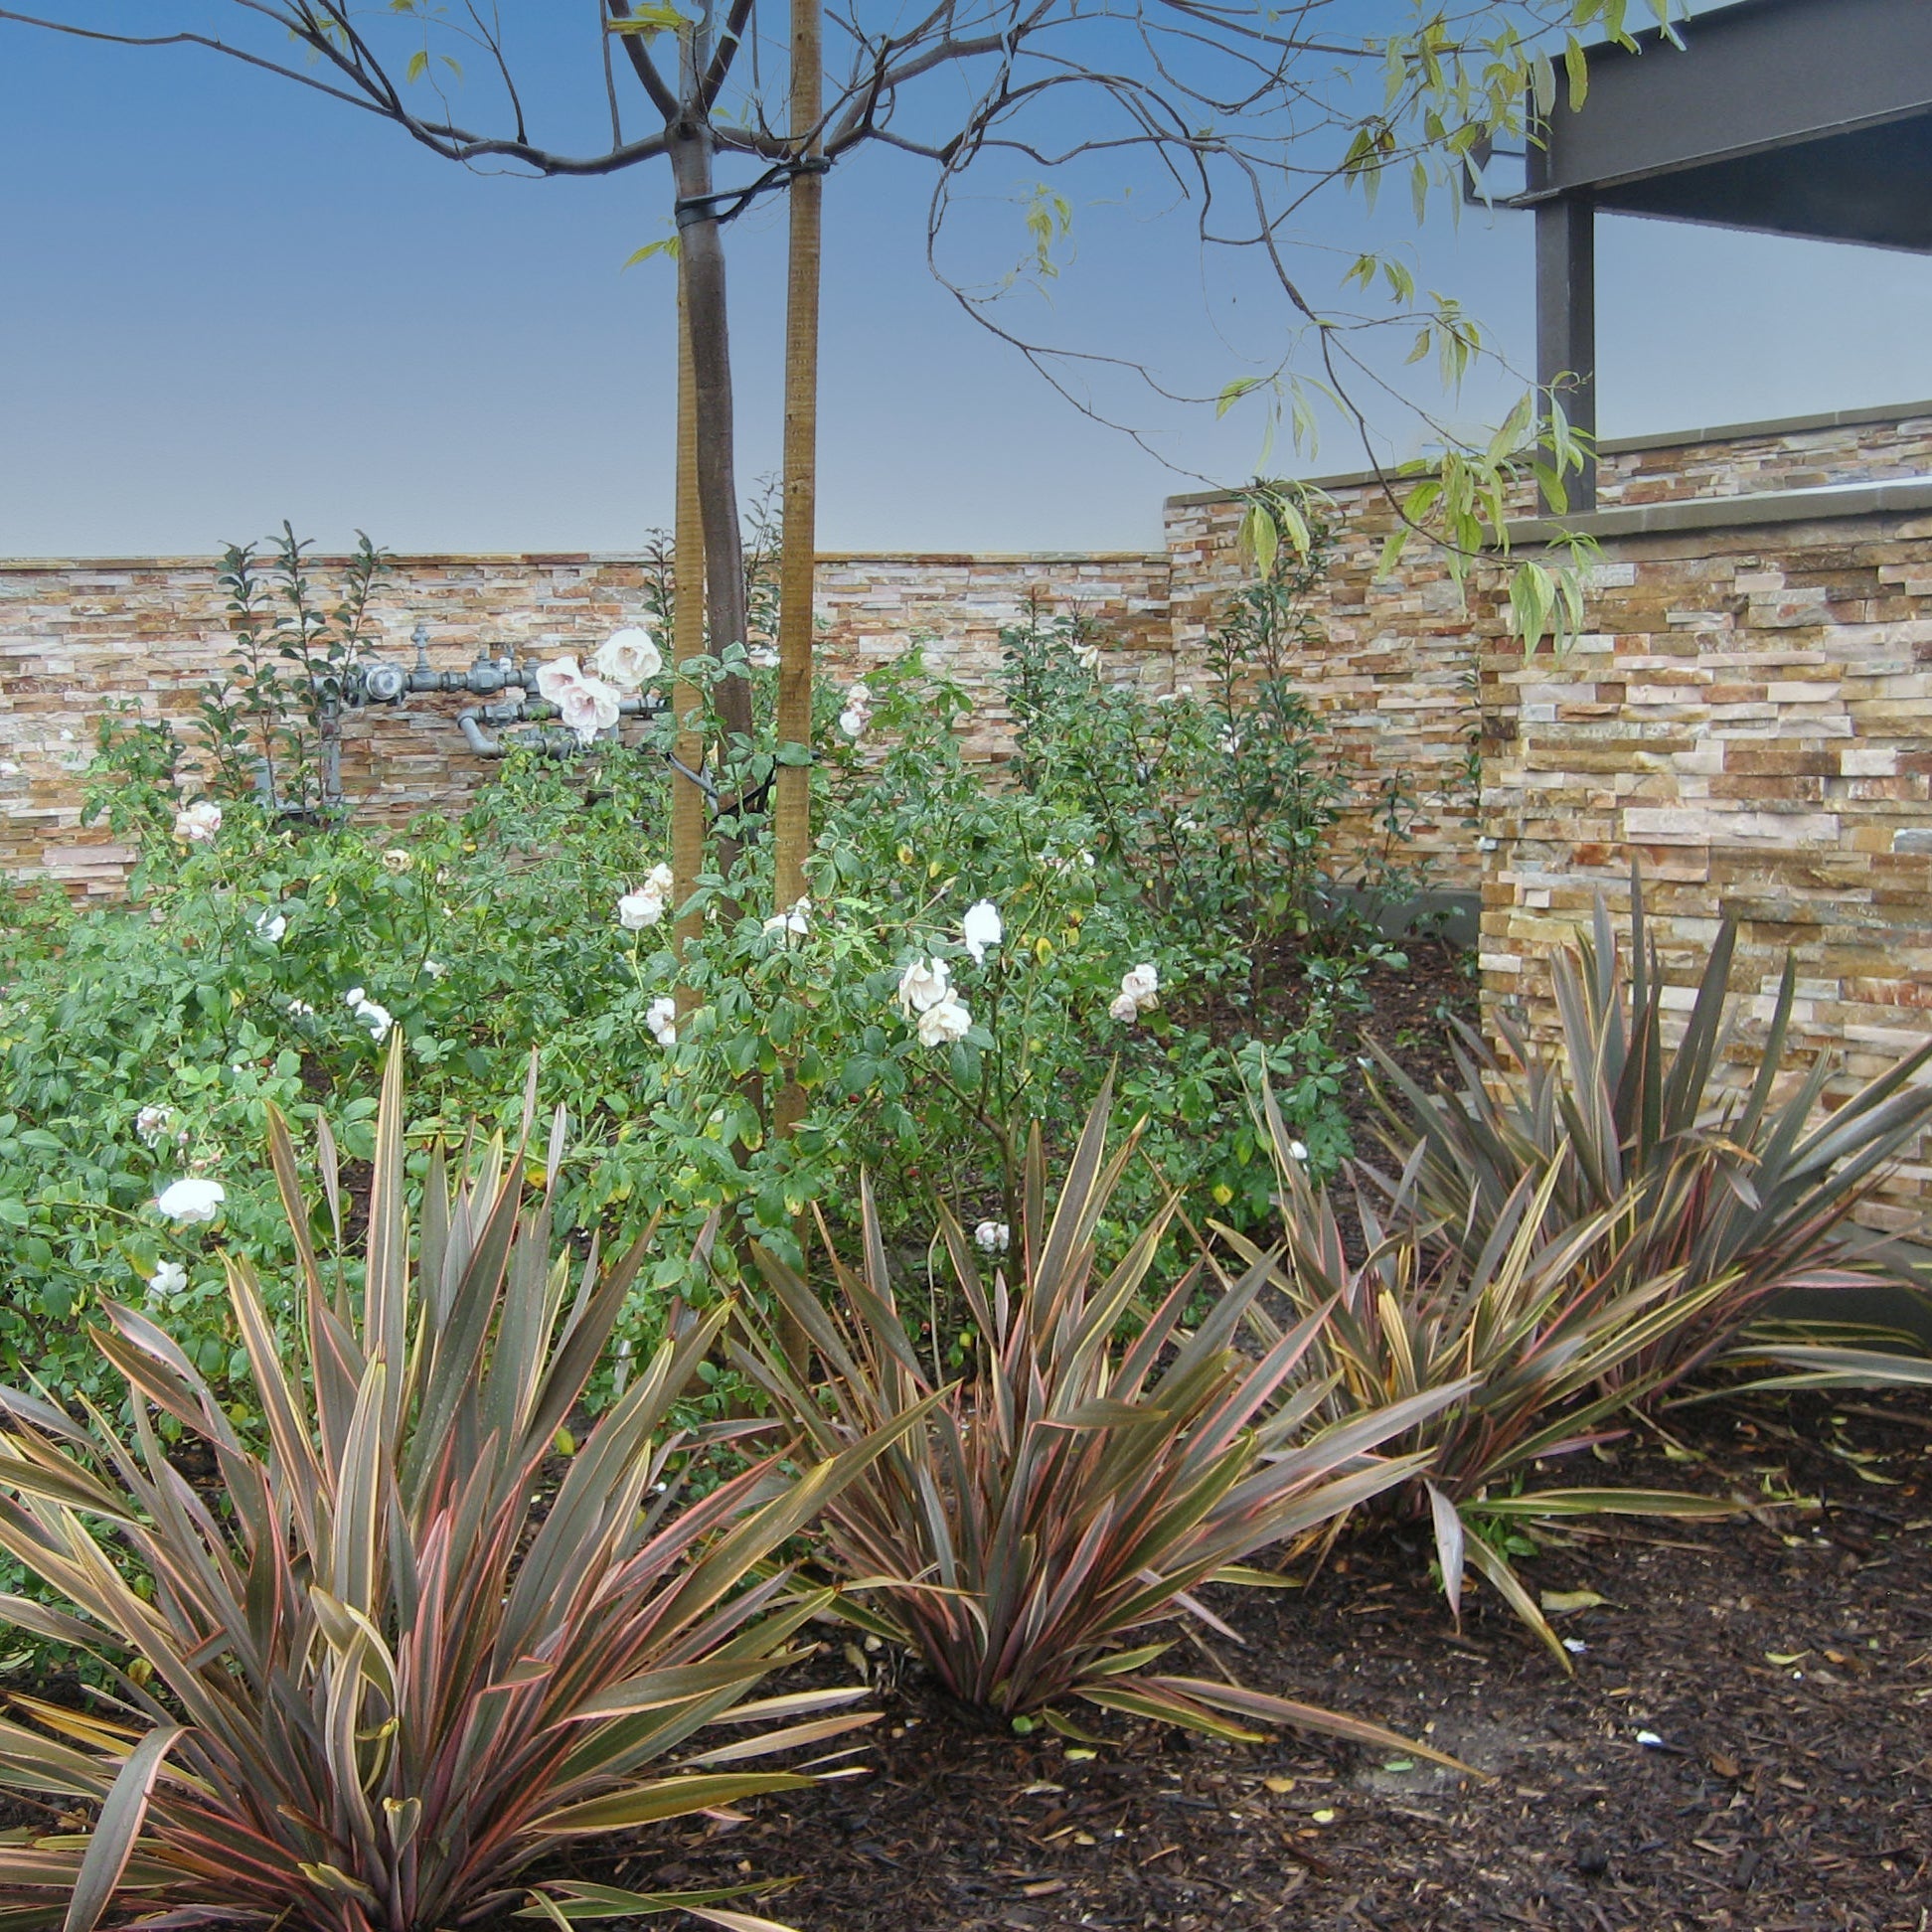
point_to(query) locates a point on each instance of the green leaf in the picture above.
(668, 247)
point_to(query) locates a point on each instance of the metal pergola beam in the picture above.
(1759, 76)
(1567, 324)
(1800, 117)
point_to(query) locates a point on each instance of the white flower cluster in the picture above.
(365, 1012)
(197, 824)
(151, 1123)
(645, 906)
(191, 1200)
(925, 996)
(1139, 989)
(588, 700)
(798, 919)
(857, 711)
(925, 990)
(169, 1278)
(661, 1016)
(993, 1236)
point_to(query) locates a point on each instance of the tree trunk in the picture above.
(686, 641)
(700, 260)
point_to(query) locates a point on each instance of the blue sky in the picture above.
(226, 301)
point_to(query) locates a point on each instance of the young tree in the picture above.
(1246, 108)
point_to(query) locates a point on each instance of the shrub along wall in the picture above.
(1749, 714)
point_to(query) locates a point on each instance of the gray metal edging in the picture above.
(1793, 426)
(1833, 500)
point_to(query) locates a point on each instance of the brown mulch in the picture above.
(1781, 1661)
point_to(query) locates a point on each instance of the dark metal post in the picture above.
(1567, 322)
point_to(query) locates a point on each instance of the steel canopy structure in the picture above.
(1799, 117)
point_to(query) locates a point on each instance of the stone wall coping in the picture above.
(550, 559)
(1902, 495)
(1628, 445)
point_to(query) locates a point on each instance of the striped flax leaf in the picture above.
(1093, 1467)
(1541, 1333)
(1683, 1175)
(372, 1687)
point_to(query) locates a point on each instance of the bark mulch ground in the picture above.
(1747, 1742)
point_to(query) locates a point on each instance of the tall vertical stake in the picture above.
(798, 558)
(799, 554)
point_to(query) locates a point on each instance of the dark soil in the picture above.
(1408, 1017)
(1747, 1742)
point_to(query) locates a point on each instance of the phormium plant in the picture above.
(388, 1664)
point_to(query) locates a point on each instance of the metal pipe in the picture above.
(475, 738)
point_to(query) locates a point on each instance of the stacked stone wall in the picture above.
(77, 635)
(1749, 720)
(1748, 714)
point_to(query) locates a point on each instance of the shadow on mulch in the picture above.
(1779, 1662)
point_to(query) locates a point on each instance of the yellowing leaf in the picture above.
(1563, 1603)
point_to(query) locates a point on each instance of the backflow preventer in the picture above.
(377, 682)
(501, 678)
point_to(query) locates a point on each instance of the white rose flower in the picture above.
(271, 926)
(395, 860)
(858, 693)
(1125, 1008)
(191, 1200)
(636, 910)
(993, 1236)
(378, 1019)
(198, 823)
(797, 920)
(354, 997)
(946, 1019)
(556, 678)
(1296, 1151)
(628, 658)
(435, 968)
(151, 1123)
(168, 1278)
(981, 929)
(852, 721)
(1143, 983)
(662, 1019)
(924, 985)
(588, 706)
(658, 880)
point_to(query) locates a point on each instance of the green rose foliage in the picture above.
(146, 1042)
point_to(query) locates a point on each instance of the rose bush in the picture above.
(955, 970)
